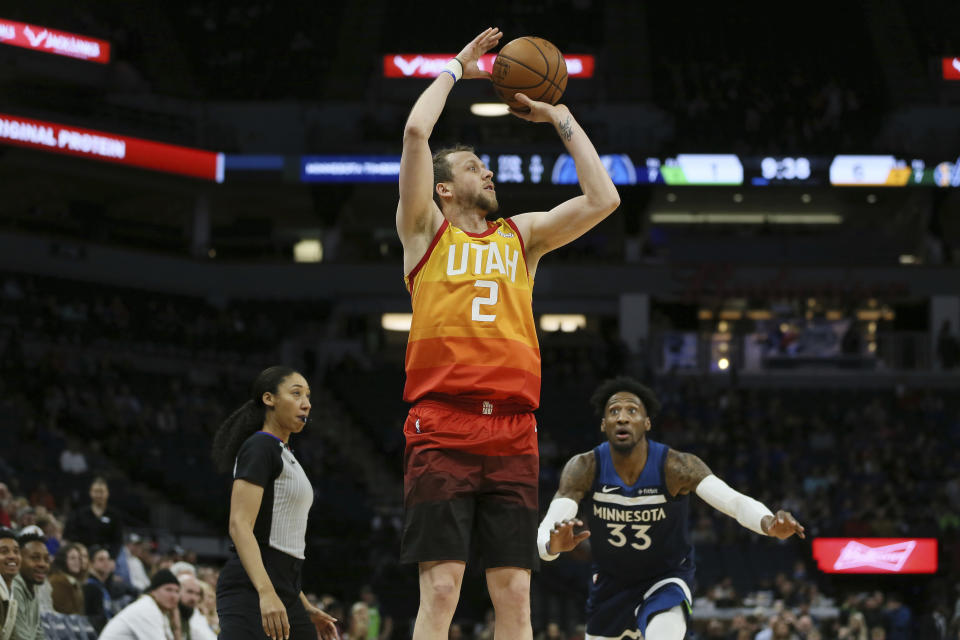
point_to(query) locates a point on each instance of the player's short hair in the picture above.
(442, 171)
(625, 383)
(28, 535)
(6, 532)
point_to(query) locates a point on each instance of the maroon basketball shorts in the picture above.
(470, 479)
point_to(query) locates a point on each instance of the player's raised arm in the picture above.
(686, 472)
(544, 231)
(555, 533)
(417, 214)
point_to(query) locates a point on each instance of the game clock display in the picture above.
(786, 170)
(685, 169)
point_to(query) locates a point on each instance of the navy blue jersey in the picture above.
(639, 533)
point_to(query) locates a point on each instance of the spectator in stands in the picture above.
(5, 499)
(97, 524)
(66, 580)
(26, 516)
(208, 606)
(130, 565)
(41, 497)
(104, 594)
(182, 567)
(72, 459)
(153, 617)
(9, 569)
(194, 624)
(52, 531)
(34, 565)
(359, 621)
(899, 618)
(381, 627)
(855, 629)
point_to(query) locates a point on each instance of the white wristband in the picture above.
(455, 68)
(560, 509)
(718, 494)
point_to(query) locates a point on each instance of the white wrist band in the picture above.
(560, 509)
(747, 511)
(455, 68)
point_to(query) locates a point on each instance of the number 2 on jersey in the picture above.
(490, 299)
(618, 539)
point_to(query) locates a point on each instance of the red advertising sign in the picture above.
(61, 43)
(429, 65)
(876, 555)
(951, 68)
(110, 147)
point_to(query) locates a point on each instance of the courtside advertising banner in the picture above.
(876, 555)
(110, 147)
(429, 65)
(61, 43)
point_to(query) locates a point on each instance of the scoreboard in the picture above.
(690, 169)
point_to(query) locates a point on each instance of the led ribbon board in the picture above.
(61, 43)
(110, 147)
(429, 65)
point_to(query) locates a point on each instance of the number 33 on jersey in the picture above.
(473, 325)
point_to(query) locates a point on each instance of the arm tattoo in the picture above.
(577, 477)
(565, 129)
(684, 472)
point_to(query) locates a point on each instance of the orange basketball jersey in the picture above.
(473, 335)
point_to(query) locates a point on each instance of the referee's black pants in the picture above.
(238, 604)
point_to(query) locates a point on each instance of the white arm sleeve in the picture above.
(747, 511)
(560, 509)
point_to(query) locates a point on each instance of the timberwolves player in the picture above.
(643, 560)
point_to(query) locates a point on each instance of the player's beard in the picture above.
(487, 200)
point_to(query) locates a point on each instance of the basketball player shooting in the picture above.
(643, 562)
(473, 361)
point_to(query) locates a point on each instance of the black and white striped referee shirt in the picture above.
(264, 460)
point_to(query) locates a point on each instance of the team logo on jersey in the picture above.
(505, 234)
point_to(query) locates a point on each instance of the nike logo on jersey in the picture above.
(606, 489)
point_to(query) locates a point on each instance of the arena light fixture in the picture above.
(489, 109)
(565, 322)
(308, 250)
(682, 217)
(396, 321)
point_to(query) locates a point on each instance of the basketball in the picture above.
(532, 66)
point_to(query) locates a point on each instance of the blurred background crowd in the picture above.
(813, 365)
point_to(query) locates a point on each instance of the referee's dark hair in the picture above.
(625, 383)
(248, 419)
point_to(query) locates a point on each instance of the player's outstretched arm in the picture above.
(686, 472)
(417, 214)
(555, 533)
(546, 230)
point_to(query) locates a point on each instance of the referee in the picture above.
(268, 515)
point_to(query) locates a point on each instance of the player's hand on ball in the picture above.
(782, 525)
(538, 111)
(563, 538)
(470, 55)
